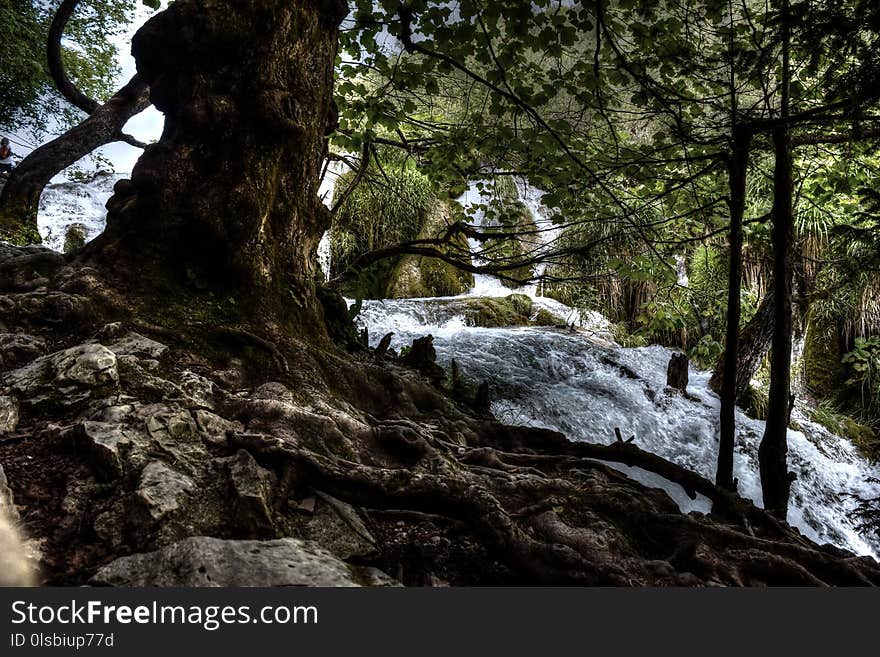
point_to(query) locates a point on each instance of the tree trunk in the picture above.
(773, 452)
(20, 199)
(753, 345)
(737, 180)
(225, 205)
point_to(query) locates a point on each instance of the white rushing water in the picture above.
(571, 382)
(67, 204)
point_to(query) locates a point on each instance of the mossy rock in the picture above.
(822, 361)
(862, 436)
(545, 318)
(513, 310)
(421, 276)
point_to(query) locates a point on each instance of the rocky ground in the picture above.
(137, 451)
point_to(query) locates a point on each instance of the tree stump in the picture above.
(677, 372)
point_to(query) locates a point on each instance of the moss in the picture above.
(861, 435)
(418, 276)
(514, 310)
(824, 372)
(755, 401)
(546, 318)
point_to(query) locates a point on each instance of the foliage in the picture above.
(30, 102)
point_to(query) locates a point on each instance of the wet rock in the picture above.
(161, 488)
(677, 372)
(213, 562)
(8, 415)
(135, 344)
(423, 357)
(75, 237)
(252, 488)
(65, 376)
(17, 349)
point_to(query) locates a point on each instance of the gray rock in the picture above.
(252, 487)
(135, 344)
(65, 373)
(213, 562)
(8, 415)
(17, 349)
(161, 488)
(103, 441)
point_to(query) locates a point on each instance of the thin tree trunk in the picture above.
(225, 206)
(737, 176)
(20, 199)
(773, 452)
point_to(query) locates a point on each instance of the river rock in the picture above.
(103, 440)
(212, 562)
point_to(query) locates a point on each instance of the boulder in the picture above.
(212, 562)
(252, 490)
(75, 237)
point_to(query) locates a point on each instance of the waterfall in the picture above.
(580, 383)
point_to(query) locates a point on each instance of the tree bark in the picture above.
(737, 180)
(225, 205)
(20, 199)
(773, 452)
(753, 345)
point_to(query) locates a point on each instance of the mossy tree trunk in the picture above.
(225, 205)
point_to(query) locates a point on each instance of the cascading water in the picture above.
(569, 381)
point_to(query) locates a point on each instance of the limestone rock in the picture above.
(8, 415)
(213, 562)
(135, 344)
(161, 488)
(337, 526)
(103, 441)
(252, 487)
(65, 376)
